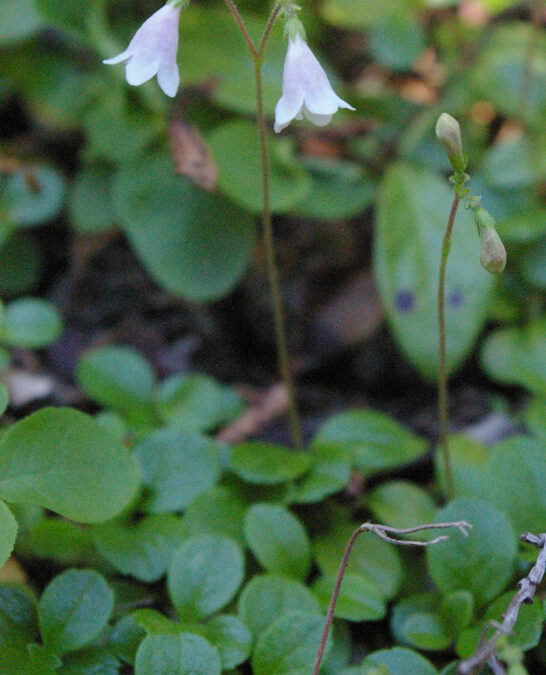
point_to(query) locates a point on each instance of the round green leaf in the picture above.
(412, 215)
(267, 464)
(267, 597)
(90, 204)
(231, 637)
(17, 660)
(237, 154)
(125, 638)
(360, 598)
(278, 540)
(400, 660)
(30, 323)
(517, 356)
(197, 402)
(373, 440)
(116, 377)
(217, 511)
(194, 243)
(481, 563)
(60, 540)
(74, 609)
(18, 623)
(35, 195)
(289, 646)
(204, 575)
(184, 654)
(330, 472)
(63, 460)
(416, 621)
(370, 557)
(18, 20)
(143, 550)
(176, 467)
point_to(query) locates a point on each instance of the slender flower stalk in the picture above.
(257, 55)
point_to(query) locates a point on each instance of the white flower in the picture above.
(153, 51)
(305, 89)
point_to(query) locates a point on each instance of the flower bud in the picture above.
(492, 253)
(448, 133)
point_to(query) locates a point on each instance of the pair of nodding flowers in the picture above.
(305, 90)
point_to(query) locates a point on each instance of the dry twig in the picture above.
(381, 531)
(486, 652)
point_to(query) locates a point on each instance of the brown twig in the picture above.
(486, 652)
(380, 531)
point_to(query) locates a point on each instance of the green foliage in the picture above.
(74, 609)
(184, 654)
(412, 212)
(267, 464)
(278, 540)
(18, 617)
(8, 532)
(30, 323)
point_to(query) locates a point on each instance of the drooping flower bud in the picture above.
(492, 252)
(448, 132)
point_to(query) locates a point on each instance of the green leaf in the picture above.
(125, 638)
(197, 402)
(184, 654)
(90, 662)
(68, 15)
(237, 155)
(117, 377)
(525, 634)
(156, 623)
(360, 598)
(30, 323)
(74, 609)
(512, 164)
(289, 646)
(267, 464)
(217, 511)
(412, 216)
(330, 472)
(61, 459)
(372, 558)
(516, 356)
(194, 243)
(395, 660)
(397, 40)
(357, 13)
(401, 504)
(266, 597)
(17, 660)
(35, 195)
(18, 20)
(204, 575)
(375, 441)
(18, 621)
(61, 540)
(481, 563)
(231, 637)
(278, 540)
(8, 532)
(144, 550)
(417, 621)
(176, 467)
(91, 188)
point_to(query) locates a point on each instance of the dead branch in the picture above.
(486, 652)
(380, 531)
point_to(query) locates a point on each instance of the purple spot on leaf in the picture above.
(404, 301)
(455, 299)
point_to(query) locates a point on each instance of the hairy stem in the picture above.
(442, 369)
(268, 240)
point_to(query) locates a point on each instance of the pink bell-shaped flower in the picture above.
(305, 88)
(152, 51)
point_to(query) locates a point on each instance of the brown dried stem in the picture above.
(380, 531)
(487, 652)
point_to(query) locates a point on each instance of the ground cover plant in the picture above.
(272, 337)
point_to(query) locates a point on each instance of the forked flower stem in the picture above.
(257, 55)
(442, 368)
(381, 531)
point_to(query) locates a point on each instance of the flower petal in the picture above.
(140, 70)
(168, 77)
(119, 58)
(319, 120)
(287, 108)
